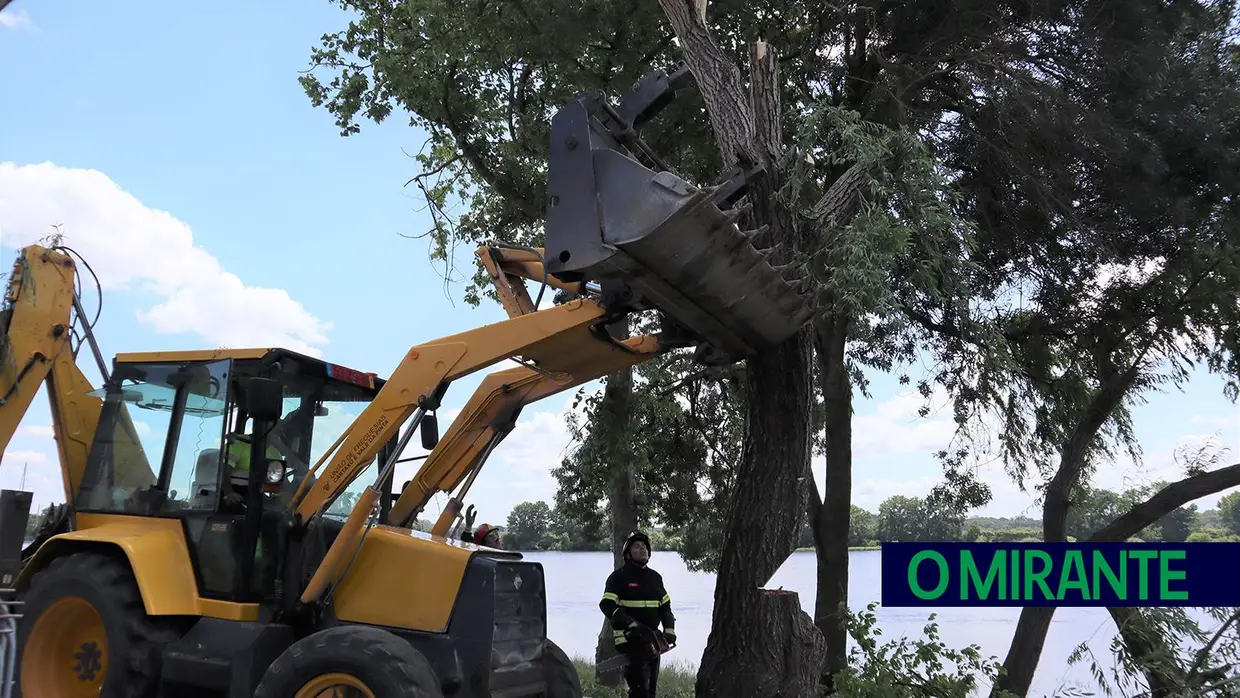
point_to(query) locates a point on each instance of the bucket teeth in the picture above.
(752, 235)
(800, 286)
(790, 272)
(735, 214)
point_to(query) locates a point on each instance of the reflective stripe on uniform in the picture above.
(610, 597)
(639, 604)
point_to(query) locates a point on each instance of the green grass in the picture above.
(675, 681)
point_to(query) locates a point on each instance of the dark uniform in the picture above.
(635, 599)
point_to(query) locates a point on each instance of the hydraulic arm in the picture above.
(36, 328)
(492, 411)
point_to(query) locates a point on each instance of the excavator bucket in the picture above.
(654, 240)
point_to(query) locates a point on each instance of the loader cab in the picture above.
(178, 438)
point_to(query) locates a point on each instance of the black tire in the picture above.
(560, 673)
(134, 641)
(388, 666)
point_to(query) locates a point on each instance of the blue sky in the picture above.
(221, 209)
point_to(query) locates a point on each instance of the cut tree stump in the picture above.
(780, 655)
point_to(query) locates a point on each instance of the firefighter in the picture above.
(488, 535)
(636, 601)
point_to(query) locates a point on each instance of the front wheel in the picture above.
(84, 632)
(561, 674)
(350, 661)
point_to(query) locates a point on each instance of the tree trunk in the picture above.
(1026, 648)
(772, 477)
(794, 650)
(831, 520)
(761, 533)
(615, 413)
(615, 408)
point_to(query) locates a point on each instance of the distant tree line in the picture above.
(536, 526)
(902, 518)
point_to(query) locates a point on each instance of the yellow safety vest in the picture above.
(237, 458)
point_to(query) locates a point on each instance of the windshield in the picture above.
(140, 422)
(135, 427)
(317, 410)
(331, 418)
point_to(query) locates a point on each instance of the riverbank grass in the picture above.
(675, 681)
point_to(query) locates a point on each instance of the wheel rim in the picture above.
(335, 685)
(66, 653)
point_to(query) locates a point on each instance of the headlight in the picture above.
(275, 471)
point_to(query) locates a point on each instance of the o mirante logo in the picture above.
(1061, 574)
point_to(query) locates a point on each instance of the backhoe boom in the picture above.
(492, 411)
(35, 329)
(547, 339)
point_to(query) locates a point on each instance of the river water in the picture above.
(575, 584)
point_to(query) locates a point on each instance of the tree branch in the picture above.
(1167, 500)
(473, 155)
(764, 98)
(719, 82)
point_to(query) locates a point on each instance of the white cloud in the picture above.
(16, 20)
(895, 428)
(111, 229)
(892, 434)
(38, 430)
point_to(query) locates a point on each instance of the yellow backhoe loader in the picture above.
(231, 528)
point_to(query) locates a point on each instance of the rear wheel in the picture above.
(352, 661)
(84, 632)
(562, 678)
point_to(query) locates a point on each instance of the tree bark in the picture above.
(831, 517)
(761, 529)
(616, 410)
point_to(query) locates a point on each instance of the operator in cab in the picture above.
(282, 442)
(636, 601)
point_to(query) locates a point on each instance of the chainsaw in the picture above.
(647, 645)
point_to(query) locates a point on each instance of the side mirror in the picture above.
(264, 399)
(429, 428)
